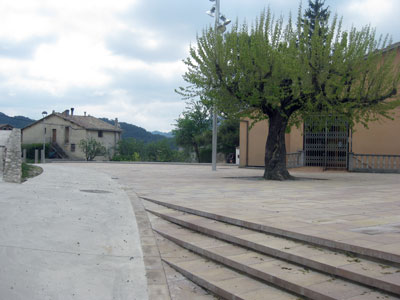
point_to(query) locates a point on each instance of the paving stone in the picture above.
(155, 276)
(228, 250)
(250, 258)
(241, 286)
(290, 272)
(148, 240)
(152, 262)
(185, 289)
(339, 289)
(372, 296)
(262, 294)
(150, 250)
(158, 292)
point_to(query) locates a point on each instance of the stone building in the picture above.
(10, 155)
(64, 131)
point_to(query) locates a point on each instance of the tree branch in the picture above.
(365, 102)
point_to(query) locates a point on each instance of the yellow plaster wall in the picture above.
(252, 142)
(381, 137)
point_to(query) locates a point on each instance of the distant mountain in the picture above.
(17, 121)
(136, 132)
(166, 134)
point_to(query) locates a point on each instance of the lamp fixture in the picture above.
(225, 20)
(211, 12)
(221, 28)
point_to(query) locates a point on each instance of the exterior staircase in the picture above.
(238, 260)
(59, 152)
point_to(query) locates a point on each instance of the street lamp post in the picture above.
(44, 114)
(215, 12)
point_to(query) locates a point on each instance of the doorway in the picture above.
(54, 136)
(326, 142)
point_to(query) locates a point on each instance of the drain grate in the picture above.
(96, 191)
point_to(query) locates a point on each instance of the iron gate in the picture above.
(326, 142)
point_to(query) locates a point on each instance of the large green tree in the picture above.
(316, 15)
(281, 72)
(228, 136)
(192, 128)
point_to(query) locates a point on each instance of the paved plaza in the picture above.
(360, 208)
(79, 230)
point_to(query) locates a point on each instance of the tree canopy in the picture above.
(192, 128)
(316, 15)
(193, 132)
(283, 72)
(92, 148)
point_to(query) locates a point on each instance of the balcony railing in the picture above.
(295, 159)
(374, 163)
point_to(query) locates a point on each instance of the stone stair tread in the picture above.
(285, 275)
(379, 275)
(220, 279)
(342, 241)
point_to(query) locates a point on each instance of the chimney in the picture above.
(66, 112)
(116, 123)
(84, 113)
(72, 111)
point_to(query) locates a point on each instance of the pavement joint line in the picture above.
(68, 252)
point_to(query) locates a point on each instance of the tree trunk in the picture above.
(197, 151)
(275, 149)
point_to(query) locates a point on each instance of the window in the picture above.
(72, 147)
(54, 140)
(100, 133)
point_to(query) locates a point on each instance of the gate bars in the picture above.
(326, 142)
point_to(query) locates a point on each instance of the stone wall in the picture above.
(12, 157)
(2, 153)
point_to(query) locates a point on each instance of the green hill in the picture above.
(136, 132)
(17, 121)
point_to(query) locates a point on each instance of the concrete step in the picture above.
(272, 271)
(291, 234)
(370, 273)
(221, 281)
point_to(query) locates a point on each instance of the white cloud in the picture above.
(372, 11)
(72, 61)
(152, 114)
(78, 57)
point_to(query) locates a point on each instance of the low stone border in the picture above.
(157, 286)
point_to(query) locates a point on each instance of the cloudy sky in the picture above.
(123, 58)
